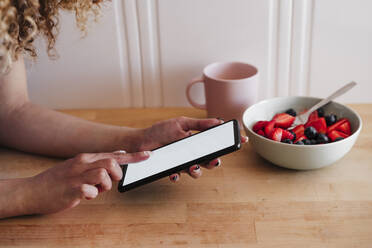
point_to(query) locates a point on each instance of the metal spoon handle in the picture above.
(338, 93)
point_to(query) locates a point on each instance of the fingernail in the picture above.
(197, 167)
(220, 119)
(147, 153)
(119, 152)
(218, 163)
(174, 178)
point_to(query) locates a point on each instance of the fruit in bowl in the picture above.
(319, 129)
(328, 135)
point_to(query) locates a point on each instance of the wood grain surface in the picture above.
(247, 202)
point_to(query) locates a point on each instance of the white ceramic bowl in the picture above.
(300, 157)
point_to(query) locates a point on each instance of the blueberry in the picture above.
(330, 119)
(288, 141)
(311, 132)
(322, 138)
(306, 141)
(313, 142)
(338, 139)
(291, 111)
(294, 135)
(320, 112)
(300, 143)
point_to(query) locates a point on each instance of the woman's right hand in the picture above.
(82, 177)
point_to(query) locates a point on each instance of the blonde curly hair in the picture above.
(22, 21)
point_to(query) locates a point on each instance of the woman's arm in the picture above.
(32, 128)
(64, 185)
(13, 197)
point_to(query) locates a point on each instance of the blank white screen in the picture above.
(181, 152)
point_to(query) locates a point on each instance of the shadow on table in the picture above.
(155, 191)
(256, 164)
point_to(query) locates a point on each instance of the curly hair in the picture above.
(22, 21)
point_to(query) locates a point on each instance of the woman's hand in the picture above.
(82, 177)
(165, 132)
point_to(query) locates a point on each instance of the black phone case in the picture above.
(181, 167)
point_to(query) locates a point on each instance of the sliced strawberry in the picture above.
(287, 135)
(269, 129)
(333, 135)
(300, 138)
(283, 120)
(277, 134)
(345, 127)
(299, 130)
(319, 124)
(259, 125)
(260, 132)
(336, 125)
(313, 116)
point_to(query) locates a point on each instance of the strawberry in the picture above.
(345, 128)
(259, 125)
(277, 134)
(319, 124)
(300, 138)
(269, 129)
(333, 135)
(299, 130)
(336, 125)
(283, 120)
(313, 116)
(261, 132)
(287, 135)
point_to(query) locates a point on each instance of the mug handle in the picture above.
(194, 104)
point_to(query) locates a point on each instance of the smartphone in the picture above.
(181, 154)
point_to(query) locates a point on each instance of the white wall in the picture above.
(142, 53)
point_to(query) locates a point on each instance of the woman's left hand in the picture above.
(165, 132)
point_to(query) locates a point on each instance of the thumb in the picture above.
(198, 124)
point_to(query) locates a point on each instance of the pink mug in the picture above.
(230, 88)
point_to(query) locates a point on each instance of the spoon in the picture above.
(302, 118)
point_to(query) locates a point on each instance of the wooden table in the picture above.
(246, 202)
